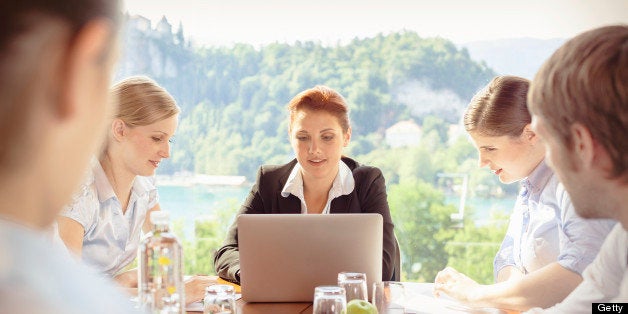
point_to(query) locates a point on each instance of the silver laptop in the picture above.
(283, 257)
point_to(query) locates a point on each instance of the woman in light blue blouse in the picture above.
(547, 246)
(104, 223)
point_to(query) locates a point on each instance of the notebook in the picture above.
(283, 257)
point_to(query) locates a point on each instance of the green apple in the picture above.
(357, 306)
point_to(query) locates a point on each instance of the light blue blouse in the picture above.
(111, 237)
(544, 228)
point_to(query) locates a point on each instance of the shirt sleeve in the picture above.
(84, 207)
(580, 239)
(601, 280)
(505, 255)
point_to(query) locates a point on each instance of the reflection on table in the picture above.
(419, 299)
(278, 308)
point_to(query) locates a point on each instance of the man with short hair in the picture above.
(579, 106)
(56, 59)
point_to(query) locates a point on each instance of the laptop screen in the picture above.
(283, 257)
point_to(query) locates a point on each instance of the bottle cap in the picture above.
(159, 217)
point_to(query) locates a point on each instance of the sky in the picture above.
(259, 22)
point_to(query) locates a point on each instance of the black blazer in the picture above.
(368, 196)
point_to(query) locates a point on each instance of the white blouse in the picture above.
(343, 185)
(111, 237)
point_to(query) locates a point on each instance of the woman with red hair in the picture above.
(319, 181)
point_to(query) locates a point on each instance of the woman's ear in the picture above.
(347, 137)
(118, 129)
(528, 134)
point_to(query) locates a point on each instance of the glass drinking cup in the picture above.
(354, 284)
(389, 297)
(219, 299)
(329, 300)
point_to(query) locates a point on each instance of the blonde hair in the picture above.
(141, 101)
(586, 81)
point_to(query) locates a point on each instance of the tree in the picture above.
(473, 248)
(179, 38)
(437, 125)
(422, 225)
(234, 119)
(209, 234)
(246, 88)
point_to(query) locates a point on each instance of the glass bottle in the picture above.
(160, 272)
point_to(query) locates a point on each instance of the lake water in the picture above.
(188, 203)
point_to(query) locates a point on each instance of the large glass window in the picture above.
(407, 71)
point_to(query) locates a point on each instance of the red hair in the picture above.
(321, 98)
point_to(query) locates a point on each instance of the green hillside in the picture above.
(234, 120)
(234, 98)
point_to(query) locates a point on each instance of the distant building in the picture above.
(140, 23)
(455, 132)
(143, 49)
(164, 28)
(403, 133)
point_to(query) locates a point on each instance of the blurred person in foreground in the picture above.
(320, 180)
(546, 245)
(56, 59)
(579, 106)
(104, 222)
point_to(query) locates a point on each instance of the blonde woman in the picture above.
(104, 223)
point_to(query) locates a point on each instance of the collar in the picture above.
(103, 187)
(538, 178)
(294, 184)
(343, 182)
(105, 190)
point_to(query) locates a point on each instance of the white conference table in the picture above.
(419, 300)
